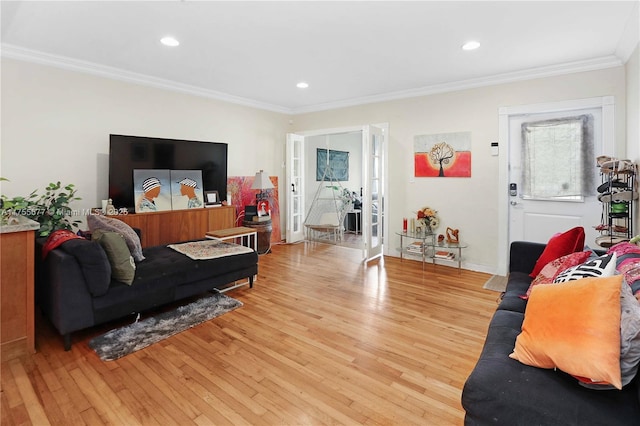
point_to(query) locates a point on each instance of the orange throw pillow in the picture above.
(560, 245)
(574, 327)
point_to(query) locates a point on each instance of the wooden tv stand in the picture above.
(179, 225)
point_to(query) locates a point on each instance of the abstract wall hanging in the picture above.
(241, 195)
(338, 162)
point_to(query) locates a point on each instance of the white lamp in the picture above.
(261, 182)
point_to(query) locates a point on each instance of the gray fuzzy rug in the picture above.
(125, 340)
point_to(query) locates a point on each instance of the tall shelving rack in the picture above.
(617, 211)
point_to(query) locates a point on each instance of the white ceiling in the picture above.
(254, 53)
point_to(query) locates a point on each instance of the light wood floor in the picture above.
(321, 339)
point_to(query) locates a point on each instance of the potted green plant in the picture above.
(11, 207)
(51, 209)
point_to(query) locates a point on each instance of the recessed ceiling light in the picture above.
(470, 45)
(302, 85)
(169, 41)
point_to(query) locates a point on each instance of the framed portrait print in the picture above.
(211, 198)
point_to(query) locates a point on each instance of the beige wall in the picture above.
(469, 204)
(56, 126)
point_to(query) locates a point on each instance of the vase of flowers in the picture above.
(428, 219)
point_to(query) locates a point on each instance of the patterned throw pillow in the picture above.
(628, 263)
(630, 269)
(96, 221)
(553, 268)
(603, 266)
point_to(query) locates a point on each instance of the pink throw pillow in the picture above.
(555, 267)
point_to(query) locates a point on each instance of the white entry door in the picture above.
(373, 190)
(295, 188)
(538, 207)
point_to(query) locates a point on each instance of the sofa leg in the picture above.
(251, 281)
(67, 341)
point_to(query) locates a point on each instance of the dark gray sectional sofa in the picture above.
(74, 292)
(503, 391)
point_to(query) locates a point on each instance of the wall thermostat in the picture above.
(494, 148)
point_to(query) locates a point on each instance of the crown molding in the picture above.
(70, 64)
(630, 36)
(530, 74)
(28, 55)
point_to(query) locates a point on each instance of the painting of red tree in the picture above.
(443, 155)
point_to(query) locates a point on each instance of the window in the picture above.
(558, 158)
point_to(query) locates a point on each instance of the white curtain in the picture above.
(558, 158)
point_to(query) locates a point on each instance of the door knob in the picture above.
(513, 203)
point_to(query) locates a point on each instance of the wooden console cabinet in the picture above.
(179, 225)
(17, 250)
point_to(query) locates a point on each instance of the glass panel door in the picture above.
(295, 188)
(373, 214)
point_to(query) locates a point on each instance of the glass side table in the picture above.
(449, 248)
(417, 245)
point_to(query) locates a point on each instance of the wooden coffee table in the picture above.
(248, 236)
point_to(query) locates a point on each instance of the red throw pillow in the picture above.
(560, 245)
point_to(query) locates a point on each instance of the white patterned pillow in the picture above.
(603, 266)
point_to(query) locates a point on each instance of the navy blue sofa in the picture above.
(503, 391)
(73, 293)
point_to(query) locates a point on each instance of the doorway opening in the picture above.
(322, 178)
(360, 170)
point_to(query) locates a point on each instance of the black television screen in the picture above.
(127, 153)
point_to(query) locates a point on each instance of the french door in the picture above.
(373, 214)
(295, 188)
(373, 185)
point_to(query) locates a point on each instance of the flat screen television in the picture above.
(127, 153)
